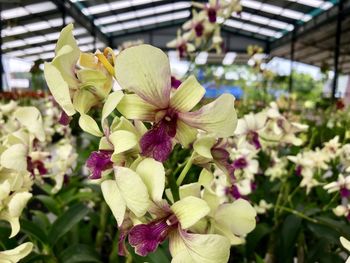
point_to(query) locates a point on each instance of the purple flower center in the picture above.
(182, 50)
(35, 165)
(240, 163)
(157, 142)
(175, 83)
(298, 170)
(199, 29)
(98, 162)
(145, 238)
(212, 15)
(233, 191)
(253, 138)
(344, 192)
(64, 119)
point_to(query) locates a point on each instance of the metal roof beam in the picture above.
(73, 11)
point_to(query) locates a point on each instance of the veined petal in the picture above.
(89, 125)
(145, 70)
(226, 232)
(135, 108)
(218, 117)
(238, 216)
(187, 95)
(83, 100)
(114, 199)
(59, 88)
(203, 146)
(198, 248)
(123, 141)
(30, 117)
(153, 175)
(111, 103)
(15, 157)
(17, 203)
(190, 210)
(133, 190)
(17, 253)
(185, 134)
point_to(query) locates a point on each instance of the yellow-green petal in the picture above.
(203, 145)
(133, 190)
(145, 70)
(190, 210)
(187, 95)
(59, 88)
(152, 174)
(30, 117)
(238, 216)
(15, 157)
(111, 103)
(123, 141)
(16, 254)
(135, 108)
(89, 125)
(185, 134)
(198, 248)
(218, 118)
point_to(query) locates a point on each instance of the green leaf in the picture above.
(34, 231)
(50, 203)
(258, 259)
(66, 221)
(79, 253)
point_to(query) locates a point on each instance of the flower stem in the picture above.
(102, 228)
(297, 213)
(185, 170)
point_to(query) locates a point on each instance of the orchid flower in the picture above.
(182, 45)
(78, 89)
(169, 112)
(342, 185)
(16, 254)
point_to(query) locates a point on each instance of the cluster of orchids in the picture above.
(139, 127)
(29, 156)
(202, 31)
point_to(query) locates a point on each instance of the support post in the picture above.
(292, 51)
(63, 13)
(337, 48)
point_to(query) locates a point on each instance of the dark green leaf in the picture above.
(79, 253)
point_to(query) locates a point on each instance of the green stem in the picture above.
(331, 202)
(297, 213)
(102, 228)
(185, 170)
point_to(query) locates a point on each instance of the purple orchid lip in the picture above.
(145, 238)
(175, 83)
(36, 165)
(344, 192)
(182, 50)
(212, 15)
(234, 192)
(298, 170)
(157, 142)
(240, 163)
(64, 119)
(199, 29)
(98, 162)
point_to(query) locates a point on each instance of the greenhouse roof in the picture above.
(30, 28)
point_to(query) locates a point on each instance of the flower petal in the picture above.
(114, 199)
(203, 146)
(187, 95)
(133, 190)
(185, 134)
(345, 243)
(15, 157)
(145, 70)
(123, 141)
(135, 108)
(152, 174)
(83, 100)
(59, 88)
(17, 253)
(111, 103)
(218, 117)
(190, 210)
(89, 125)
(238, 216)
(17, 203)
(197, 248)
(30, 117)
